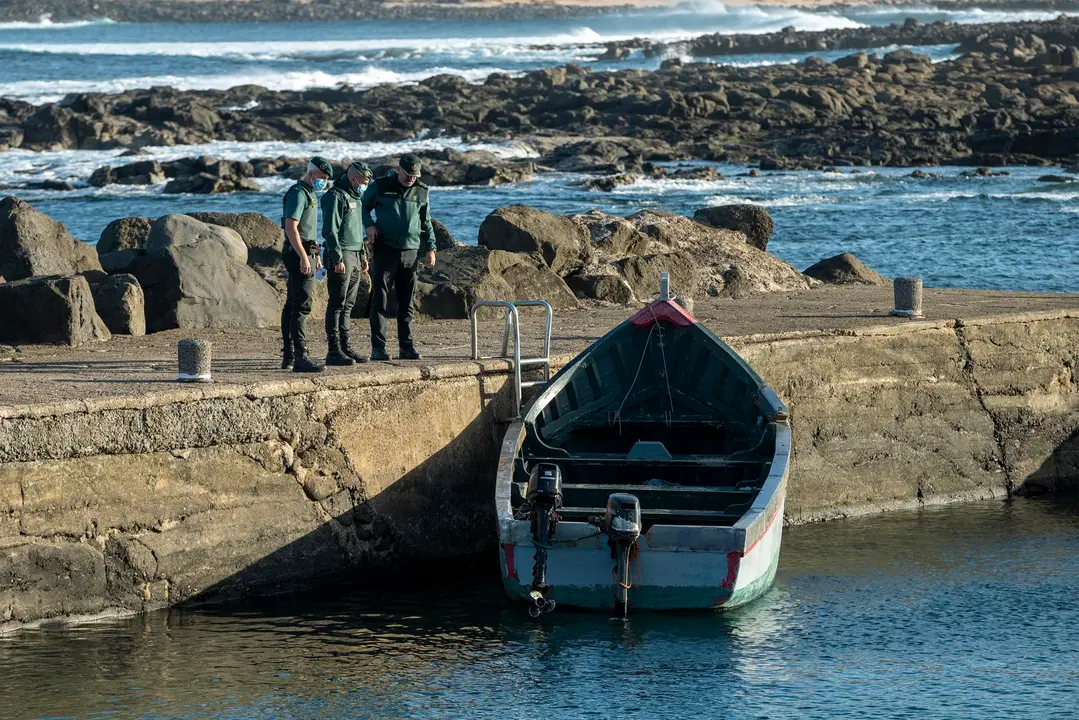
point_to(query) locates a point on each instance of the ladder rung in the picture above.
(533, 383)
(535, 361)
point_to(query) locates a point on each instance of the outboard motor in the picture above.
(623, 525)
(544, 495)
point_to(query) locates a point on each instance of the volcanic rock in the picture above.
(121, 305)
(56, 310)
(844, 269)
(263, 237)
(33, 244)
(129, 233)
(523, 229)
(751, 220)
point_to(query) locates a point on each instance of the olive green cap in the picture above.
(361, 169)
(322, 164)
(410, 163)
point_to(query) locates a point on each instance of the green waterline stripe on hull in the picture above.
(667, 597)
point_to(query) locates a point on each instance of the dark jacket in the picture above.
(402, 215)
(342, 222)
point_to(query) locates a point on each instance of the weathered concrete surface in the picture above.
(112, 503)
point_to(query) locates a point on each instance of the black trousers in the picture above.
(342, 290)
(300, 288)
(397, 269)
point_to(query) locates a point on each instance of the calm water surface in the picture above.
(945, 613)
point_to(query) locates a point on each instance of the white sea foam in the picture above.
(76, 166)
(43, 91)
(45, 22)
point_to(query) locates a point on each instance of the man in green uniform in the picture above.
(301, 257)
(345, 254)
(400, 229)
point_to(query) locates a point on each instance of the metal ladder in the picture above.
(513, 321)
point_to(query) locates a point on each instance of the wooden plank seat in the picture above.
(608, 458)
(663, 516)
(652, 497)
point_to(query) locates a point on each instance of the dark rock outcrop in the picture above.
(54, 310)
(844, 268)
(129, 233)
(467, 273)
(523, 229)
(444, 240)
(751, 220)
(121, 305)
(33, 244)
(628, 254)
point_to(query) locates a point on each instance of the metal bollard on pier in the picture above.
(194, 359)
(908, 297)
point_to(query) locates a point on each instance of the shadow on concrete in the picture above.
(1059, 473)
(437, 518)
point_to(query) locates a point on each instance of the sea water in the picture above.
(958, 612)
(1003, 233)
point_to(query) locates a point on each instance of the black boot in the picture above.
(304, 364)
(409, 354)
(286, 357)
(334, 356)
(379, 355)
(347, 349)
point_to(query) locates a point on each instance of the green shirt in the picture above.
(342, 223)
(302, 205)
(402, 215)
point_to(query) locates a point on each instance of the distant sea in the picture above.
(1009, 233)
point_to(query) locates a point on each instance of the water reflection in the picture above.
(954, 612)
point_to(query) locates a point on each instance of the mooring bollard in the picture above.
(908, 297)
(194, 358)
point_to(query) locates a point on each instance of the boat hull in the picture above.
(683, 576)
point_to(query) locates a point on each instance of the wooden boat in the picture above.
(650, 473)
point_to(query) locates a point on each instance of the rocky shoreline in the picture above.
(1011, 99)
(966, 37)
(245, 11)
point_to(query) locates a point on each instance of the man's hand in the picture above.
(318, 261)
(430, 258)
(364, 266)
(305, 265)
(372, 233)
(339, 268)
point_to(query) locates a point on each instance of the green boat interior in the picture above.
(669, 414)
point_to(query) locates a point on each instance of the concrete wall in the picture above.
(120, 505)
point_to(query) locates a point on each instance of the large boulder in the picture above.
(701, 259)
(843, 269)
(129, 233)
(121, 305)
(521, 229)
(33, 244)
(144, 172)
(195, 275)
(57, 310)
(467, 273)
(263, 237)
(444, 240)
(186, 231)
(753, 221)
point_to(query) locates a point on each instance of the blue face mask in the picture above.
(320, 184)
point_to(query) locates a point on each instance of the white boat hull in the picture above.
(678, 567)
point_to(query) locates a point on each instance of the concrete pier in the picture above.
(121, 491)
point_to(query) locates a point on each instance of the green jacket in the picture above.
(342, 224)
(301, 204)
(402, 215)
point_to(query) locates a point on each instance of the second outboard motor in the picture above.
(623, 525)
(544, 495)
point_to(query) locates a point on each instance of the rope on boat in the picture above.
(668, 416)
